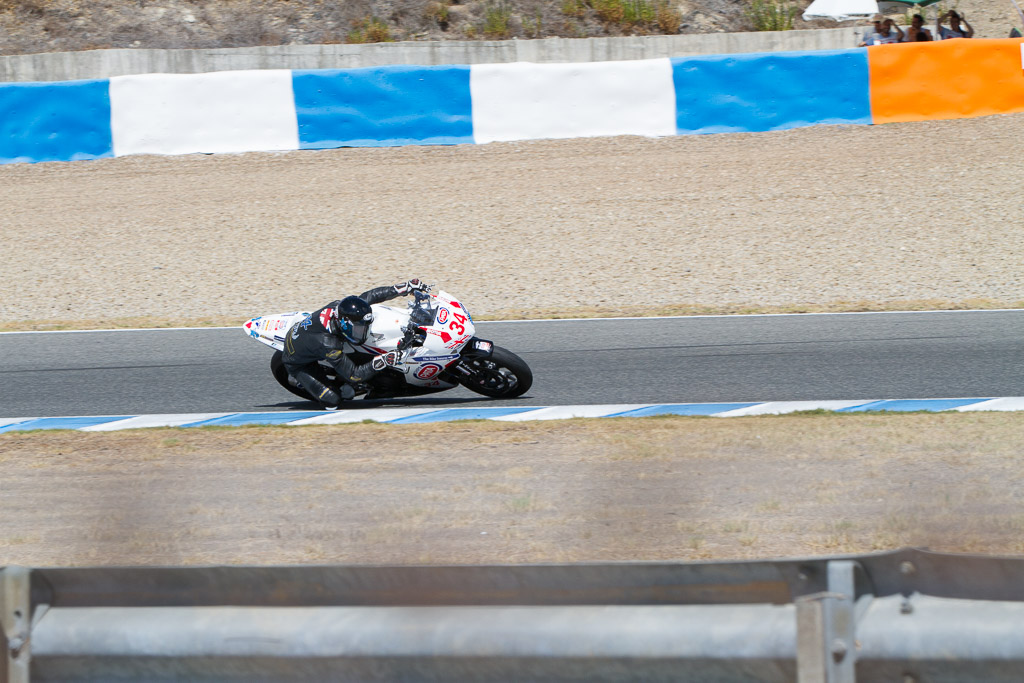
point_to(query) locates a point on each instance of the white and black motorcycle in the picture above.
(434, 335)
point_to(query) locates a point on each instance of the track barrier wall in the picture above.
(949, 79)
(282, 109)
(87, 64)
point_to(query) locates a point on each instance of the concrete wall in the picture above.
(91, 64)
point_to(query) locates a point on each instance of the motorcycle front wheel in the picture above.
(502, 375)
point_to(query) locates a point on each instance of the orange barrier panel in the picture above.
(948, 79)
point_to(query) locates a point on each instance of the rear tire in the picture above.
(502, 375)
(281, 375)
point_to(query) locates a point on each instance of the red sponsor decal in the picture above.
(428, 371)
(442, 315)
(458, 342)
(445, 337)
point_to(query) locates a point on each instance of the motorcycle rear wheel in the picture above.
(502, 375)
(281, 375)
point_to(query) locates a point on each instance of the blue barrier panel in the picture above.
(64, 121)
(770, 91)
(383, 106)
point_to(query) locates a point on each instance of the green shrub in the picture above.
(370, 30)
(574, 8)
(534, 28)
(496, 21)
(668, 18)
(610, 11)
(771, 15)
(639, 14)
(438, 11)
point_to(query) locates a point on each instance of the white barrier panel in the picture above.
(226, 111)
(525, 101)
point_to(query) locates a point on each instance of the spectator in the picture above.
(893, 34)
(955, 30)
(889, 35)
(881, 32)
(869, 35)
(916, 32)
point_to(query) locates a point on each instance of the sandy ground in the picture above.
(468, 493)
(824, 216)
(835, 217)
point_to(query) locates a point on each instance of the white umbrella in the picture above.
(840, 10)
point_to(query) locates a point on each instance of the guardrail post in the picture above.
(15, 620)
(826, 629)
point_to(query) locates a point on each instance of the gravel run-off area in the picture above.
(898, 216)
(829, 217)
(676, 488)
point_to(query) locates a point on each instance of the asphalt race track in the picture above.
(653, 360)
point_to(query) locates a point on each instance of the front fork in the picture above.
(476, 348)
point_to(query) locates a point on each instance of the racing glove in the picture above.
(386, 360)
(414, 284)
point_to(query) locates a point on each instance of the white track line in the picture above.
(567, 412)
(781, 407)
(1013, 403)
(143, 421)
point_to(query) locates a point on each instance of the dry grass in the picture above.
(154, 322)
(485, 492)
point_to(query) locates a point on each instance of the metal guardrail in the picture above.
(908, 615)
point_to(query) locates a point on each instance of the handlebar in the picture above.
(421, 295)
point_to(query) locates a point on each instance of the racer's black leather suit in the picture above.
(308, 342)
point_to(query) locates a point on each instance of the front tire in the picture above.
(281, 375)
(502, 375)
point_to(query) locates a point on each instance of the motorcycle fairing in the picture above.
(450, 329)
(270, 329)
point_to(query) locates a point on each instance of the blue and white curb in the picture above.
(109, 423)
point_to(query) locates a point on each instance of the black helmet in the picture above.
(353, 316)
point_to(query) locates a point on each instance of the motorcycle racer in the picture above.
(324, 335)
